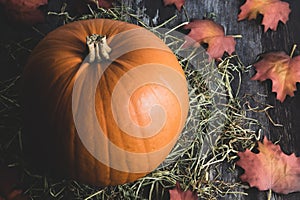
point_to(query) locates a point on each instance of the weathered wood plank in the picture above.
(286, 113)
(253, 43)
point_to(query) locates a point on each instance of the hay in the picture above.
(216, 129)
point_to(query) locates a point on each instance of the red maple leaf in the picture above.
(270, 168)
(272, 10)
(24, 11)
(178, 194)
(9, 181)
(211, 33)
(283, 70)
(177, 3)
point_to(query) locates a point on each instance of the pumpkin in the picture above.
(104, 102)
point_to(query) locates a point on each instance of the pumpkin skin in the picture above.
(56, 142)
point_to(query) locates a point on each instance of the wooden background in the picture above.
(253, 42)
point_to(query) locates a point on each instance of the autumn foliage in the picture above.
(283, 70)
(24, 11)
(270, 168)
(177, 3)
(272, 10)
(9, 183)
(211, 33)
(178, 194)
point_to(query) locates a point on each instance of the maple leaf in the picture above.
(273, 11)
(211, 33)
(178, 194)
(283, 70)
(270, 168)
(24, 11)
(9, 180)
(177, 3)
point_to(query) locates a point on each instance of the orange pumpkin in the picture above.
(104, 101)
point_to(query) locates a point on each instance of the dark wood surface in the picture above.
(253, 43)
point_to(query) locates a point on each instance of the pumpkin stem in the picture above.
(98, 48)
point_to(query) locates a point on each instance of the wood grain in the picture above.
(252, 43)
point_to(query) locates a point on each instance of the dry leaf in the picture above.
(272, 10)
(270, 168)
(282, 70)
(9, 180)
(17, 195)
(178, 194)
(211, 33)
(24, 11)
(177, 3)
(103, 3)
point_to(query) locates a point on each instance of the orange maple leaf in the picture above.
(272, 10)
(178, 194)
(24, 11)
(211, 33)
(177, 3)
(283, 70)
(270, 168)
